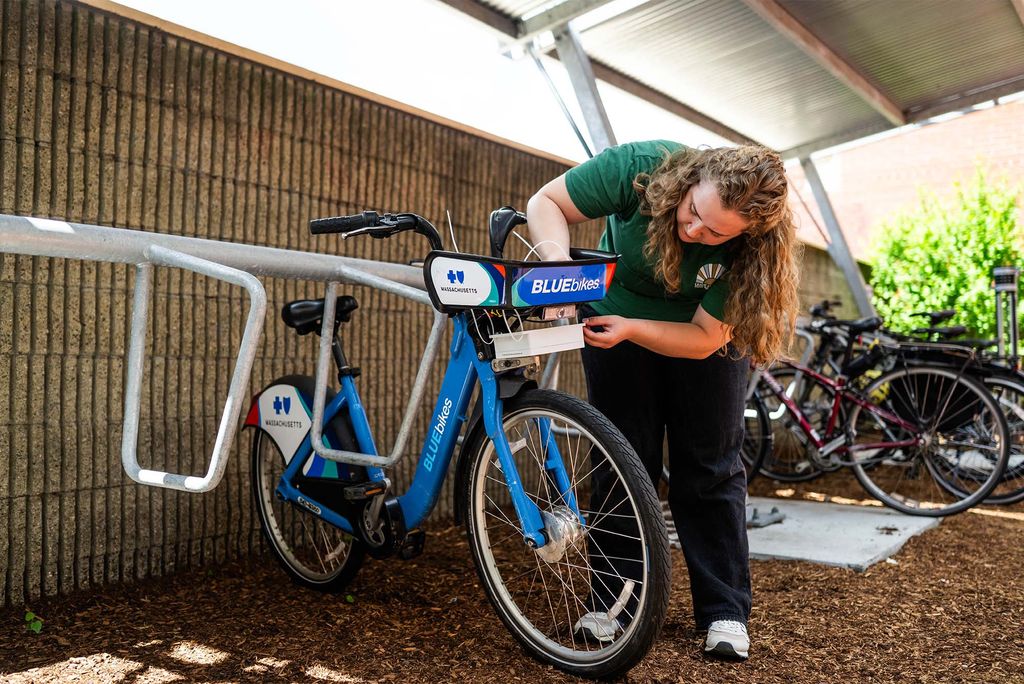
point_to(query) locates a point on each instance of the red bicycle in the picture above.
(924, 440)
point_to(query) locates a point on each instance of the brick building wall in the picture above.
(869, 182)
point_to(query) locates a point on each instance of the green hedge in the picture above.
(941, 255)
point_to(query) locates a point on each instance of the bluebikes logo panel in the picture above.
(559, 285)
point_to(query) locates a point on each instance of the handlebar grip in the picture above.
(343, 224)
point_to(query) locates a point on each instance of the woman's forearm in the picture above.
(681, 340)
(549, 229)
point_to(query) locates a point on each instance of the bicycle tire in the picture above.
(788, 457)
(501, 556)
(285, 524)
(757, 436)
(1009, 393)
(964, 436)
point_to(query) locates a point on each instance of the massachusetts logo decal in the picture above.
(461, 282)
(707, 275)
(285, 418)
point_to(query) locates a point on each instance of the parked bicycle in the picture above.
(827, 340)
(924, 440)
(542, 479)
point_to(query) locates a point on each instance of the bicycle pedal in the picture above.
(412, 546)
(365, 490)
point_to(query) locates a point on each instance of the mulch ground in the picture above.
(950, 609)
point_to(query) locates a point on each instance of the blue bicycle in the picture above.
(563, 523)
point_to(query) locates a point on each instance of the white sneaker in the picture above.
(597, 626)
(728, 638)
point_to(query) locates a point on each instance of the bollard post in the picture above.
(1004, 280)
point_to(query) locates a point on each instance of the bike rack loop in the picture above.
(418, 388)
(231, 262)
(136, 357)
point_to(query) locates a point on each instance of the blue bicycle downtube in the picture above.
(527, 511)
(555, 466)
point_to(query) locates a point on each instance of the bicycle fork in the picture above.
(531, 520)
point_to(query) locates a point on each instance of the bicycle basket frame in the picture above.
(456, 282)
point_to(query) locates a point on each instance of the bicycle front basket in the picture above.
(465, 281)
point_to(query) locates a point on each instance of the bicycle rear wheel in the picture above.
(962, 442)
(314, 553)
(1009, 393)
(757, 436)
(615, 564)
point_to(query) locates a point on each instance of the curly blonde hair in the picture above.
(751, 180)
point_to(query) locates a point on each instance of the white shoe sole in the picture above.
(724, 649)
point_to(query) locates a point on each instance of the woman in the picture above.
(707, 282)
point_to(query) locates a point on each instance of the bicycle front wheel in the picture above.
(789, 455)
(961, 441)
(592, 600)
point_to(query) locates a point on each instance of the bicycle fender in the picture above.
(509, 386)
(284, 411)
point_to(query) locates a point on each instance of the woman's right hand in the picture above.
(604, 332)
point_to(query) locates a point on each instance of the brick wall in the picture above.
(869, 182)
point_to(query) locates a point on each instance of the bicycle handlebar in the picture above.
(376, 225)
(343, 224)
(500, 226)
(823, 308)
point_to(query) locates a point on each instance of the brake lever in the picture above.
(357, 231)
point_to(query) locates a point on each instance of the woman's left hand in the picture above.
(610, 330)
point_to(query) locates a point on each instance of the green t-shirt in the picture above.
(603, 186)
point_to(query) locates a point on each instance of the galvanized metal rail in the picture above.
(234, 263)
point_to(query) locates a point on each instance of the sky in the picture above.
(428, 55)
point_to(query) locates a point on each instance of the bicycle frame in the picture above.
(450, 412)
(829, 443)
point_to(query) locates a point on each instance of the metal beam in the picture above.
(838, 249)
(487, 15)
(919, 114)
(556, 17)
(809, 148)
(968, 98)
(576, 62)
(786, 24)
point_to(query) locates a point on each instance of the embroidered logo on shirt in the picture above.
(708, 274)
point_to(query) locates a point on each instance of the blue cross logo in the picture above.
(285, 404)
(456, 275)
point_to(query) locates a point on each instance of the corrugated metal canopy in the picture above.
(796, 75)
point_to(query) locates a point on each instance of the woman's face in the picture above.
(701, 218)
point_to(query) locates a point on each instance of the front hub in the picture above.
(562, 528)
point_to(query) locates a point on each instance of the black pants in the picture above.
(699, 405)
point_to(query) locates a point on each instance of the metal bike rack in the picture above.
(162, 256)
(418, 388)
(231, 262)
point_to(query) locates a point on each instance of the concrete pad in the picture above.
(854, 537)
